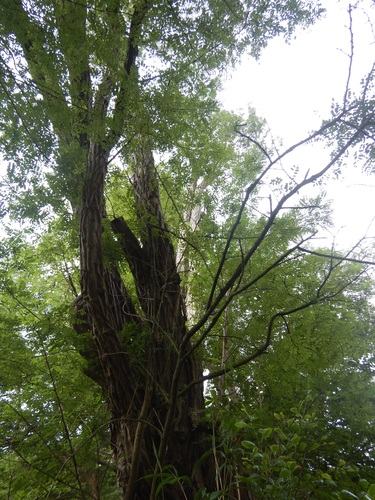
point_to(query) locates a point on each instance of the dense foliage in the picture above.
(169, 327)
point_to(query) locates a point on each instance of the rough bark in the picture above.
(146, 412)
(101, 311)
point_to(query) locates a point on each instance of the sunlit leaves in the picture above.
(48, 410)
(81, 77)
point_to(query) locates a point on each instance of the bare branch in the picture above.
(281, 260)
(337, 257)
(282, 315)
(251, 139)
(308, 180)
(215, 303)
(351, 56)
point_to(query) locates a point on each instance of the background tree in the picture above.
(84, 84)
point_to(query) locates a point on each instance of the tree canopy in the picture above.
(169, 326)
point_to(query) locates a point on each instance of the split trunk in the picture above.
(140, 342)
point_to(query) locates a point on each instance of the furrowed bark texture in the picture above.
(138, 382)
(102, 316)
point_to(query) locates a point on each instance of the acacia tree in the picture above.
(83, 83)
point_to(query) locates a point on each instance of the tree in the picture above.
(86, 83)
(52, 436)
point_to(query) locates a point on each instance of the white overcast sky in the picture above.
(292, 87)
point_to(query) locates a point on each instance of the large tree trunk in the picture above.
(142, 364)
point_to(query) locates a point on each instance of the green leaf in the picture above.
(215, 494)
(347, 495)
(266, 432)
(326, 476)
(295, 440)
(240, 425)
(371, 491)
(285, 473)
(249, 445)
